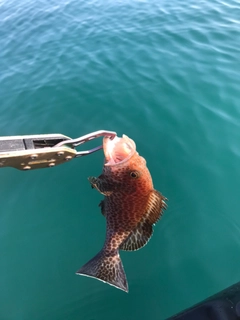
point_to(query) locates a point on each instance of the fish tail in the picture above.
(106, 266)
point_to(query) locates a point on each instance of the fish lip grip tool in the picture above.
(44, 150)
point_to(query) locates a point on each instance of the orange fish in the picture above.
(131, 207)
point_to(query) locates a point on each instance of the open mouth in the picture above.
(118, 150)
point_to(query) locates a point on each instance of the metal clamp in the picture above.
(46, 150)
(73, 143)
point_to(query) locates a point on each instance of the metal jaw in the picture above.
(46, 150)
(73, 143)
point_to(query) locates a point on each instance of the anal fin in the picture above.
(102, 206)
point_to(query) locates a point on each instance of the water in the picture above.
(167, 75)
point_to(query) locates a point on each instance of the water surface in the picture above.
(165, 74)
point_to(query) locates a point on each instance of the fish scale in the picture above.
(131, 207)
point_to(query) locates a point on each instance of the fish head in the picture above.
(124, 166)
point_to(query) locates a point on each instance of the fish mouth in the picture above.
(118, 150)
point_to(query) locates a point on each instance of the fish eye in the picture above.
(134, 174)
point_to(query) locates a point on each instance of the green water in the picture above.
(167, 75)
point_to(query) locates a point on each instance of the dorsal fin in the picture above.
(143, 232)
(138, 238)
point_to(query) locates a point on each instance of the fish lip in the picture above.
(106, 141)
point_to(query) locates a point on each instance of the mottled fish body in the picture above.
(131, 207)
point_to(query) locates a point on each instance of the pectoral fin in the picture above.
(140, 236)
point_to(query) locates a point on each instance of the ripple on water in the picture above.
(165, 73)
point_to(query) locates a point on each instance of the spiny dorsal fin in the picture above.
(140, 236)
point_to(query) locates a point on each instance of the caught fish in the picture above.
(131, 207)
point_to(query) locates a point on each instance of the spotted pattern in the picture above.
(131, 207)
(140, 236)
(106, 267)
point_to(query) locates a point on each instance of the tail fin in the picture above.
(106, 267)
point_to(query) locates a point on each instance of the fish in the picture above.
(131, 207)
